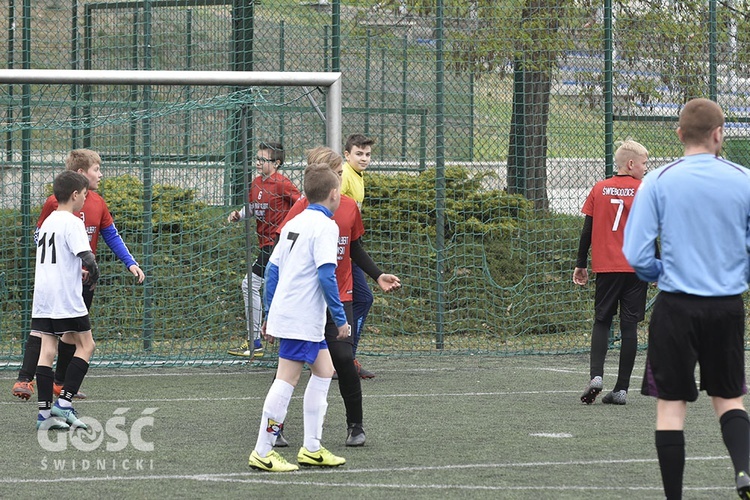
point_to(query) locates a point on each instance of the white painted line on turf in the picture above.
(551, 434)
(255, 477)
(253, 398)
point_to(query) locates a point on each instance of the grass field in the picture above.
(469, 427)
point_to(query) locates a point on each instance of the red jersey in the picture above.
(351, 228)
(94, 214)
(270, 200)
(609, 204)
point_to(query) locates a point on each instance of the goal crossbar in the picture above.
(330, 80)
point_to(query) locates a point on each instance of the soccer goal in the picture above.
(178, 152)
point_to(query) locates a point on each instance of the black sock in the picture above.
(735, 429)
(350, 385)
(599, 346)
(30, 358)
(670, 448)
(73, 378)
(44, 378)
(628, 350)
(65, 353)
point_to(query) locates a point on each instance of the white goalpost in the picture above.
(330, 81)
(184, 134)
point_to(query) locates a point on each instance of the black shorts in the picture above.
(332, 331)
(59, 327)
(259, 266)
(624, 289)
(687, 329)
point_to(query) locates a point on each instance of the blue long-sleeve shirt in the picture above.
(699, 208)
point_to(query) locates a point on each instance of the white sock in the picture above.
(315, 405)
(64, 403)
(274, 413)
(45, 413)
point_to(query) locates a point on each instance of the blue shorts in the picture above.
(301, 350)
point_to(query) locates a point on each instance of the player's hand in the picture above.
(233, 216)
(389, 282)
(580, 276)
(91, 276)
(345, 331)
(137, 272)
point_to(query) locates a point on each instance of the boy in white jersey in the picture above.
(58, 309)
(300, 284)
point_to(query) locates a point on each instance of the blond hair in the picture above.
(82, 159)
(324, 155)
(629, 150)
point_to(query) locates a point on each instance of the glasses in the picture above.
(262, 160)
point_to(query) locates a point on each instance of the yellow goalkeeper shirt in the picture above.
(353, 184)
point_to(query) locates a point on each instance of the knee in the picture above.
(88, 348)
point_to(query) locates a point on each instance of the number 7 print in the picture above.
(621, 204)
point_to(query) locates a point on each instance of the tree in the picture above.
(483, 36)
(535, 58)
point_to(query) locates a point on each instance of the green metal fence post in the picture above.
(148, 192)
(133, 139)
(382, 95)
(11, 55)
(74, 64)
(26, 256)
(608, 91)
(422, 140)
(282, 66)
(712, 60)
(87, 57)
(471, 115)
(404, 99)
(336, 36)
(439, 176)
(188, 89)
(325, 48)
(368, 43)
(243, 15)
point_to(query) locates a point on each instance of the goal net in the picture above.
(178, 149)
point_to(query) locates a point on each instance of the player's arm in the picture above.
(89, 262)
(238, 215)
(387, 282)
(271, 280)
(327, 280)
(114, 241)
(641, 233)
(581, 273)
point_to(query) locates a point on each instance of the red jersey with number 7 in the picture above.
(609, 204)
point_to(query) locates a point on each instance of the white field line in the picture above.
(259, 478)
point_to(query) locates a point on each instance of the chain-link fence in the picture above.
(492, 120)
